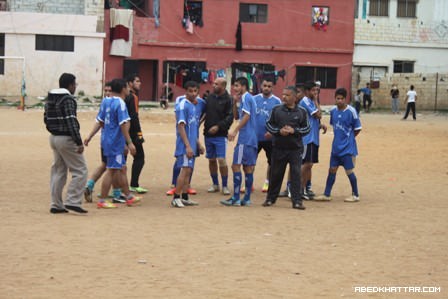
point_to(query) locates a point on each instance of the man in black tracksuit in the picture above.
(287, 124)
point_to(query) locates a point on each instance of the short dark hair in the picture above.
(66, 79)
(108, 83)
(412, 87)
(310, 85)
(117, 85)
(300, 86)
(268, 79)
(131, 77)
(359, 91)
(341, 92)
(292, 89)
(193, 84)
(242, 81)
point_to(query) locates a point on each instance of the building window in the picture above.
(193, 11)
(407, 8)
(181, 72)
(379, 8)
(320, 17)
(403, 66)
(253, 13)
(2, 53)
(326, 75)
(61, 43)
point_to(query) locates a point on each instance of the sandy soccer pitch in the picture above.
(395, 237)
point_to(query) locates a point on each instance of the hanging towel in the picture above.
(239, 41)
(189, 26)
(121, 24)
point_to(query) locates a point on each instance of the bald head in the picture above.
(219, 86)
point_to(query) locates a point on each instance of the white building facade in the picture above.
(402, 42)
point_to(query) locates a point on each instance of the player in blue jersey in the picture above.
(245, 152)
(265, 101)
(311, 140)
(346, 126)
(188, 117)
(114, 118)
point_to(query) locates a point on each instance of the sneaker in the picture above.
(191, 191)
(189, 202)
(139, 190)
(267, 203)
(322, 197)
(120, 199)
(133, 201)
(265, 187)
(246, 202)
(298, 206)
(88, 194)
(225, 191)
(213, 189)
(231, 202)
(177, 203)
(352, 198)
(105, 205)
(305, 196)
(171, 191)
(310, 193)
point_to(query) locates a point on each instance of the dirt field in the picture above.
(396, 235)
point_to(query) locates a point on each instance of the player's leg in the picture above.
(249, 161)
(349, 166)
(58, 176)
(413, 110)
(210, 154)
(295, 162)
(237, 177)
(278, 167)
(221, 151)
(331, 178)
(137, 166)
(176, 171)
(183, 181)
(267, 146)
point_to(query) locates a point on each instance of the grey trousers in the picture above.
(66, 158)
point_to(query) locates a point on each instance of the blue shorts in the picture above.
(347, 161)
(184, 162)
(116, 161)
(245, 155)
(215, 147)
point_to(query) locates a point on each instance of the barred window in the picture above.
(407, 8)
(379, 8)
(253, 13)
(326, 75)
(403, 66)
(62, 43)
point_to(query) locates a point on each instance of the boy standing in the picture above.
(287, 123)
(411, 98)
(346, 126)
(188, 116)
(245, 152)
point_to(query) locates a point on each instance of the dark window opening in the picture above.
(253, 13)
(407, 8)
(401, 66)
(193, 11)
(61, 43)
(181, 72)
(2, 53)
(379, 8)
(326, 75)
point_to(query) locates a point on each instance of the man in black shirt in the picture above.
(218, 119)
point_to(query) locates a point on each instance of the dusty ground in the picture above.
(396, 235)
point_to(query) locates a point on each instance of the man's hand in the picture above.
(80, 149)
(86, 141)
(190, 153)
(213, 130)
(231, 136)
(132, 149)
(201, 148)
(324, 128)
(268, 135)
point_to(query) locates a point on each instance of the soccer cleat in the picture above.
(133, 201)
(352, 198)
(225, 191)
(265, 187)
(310, 193)
(189, 202)
(88, 194)
(213, 189)
(121, 199)
(171, 191)
(231, 202)
(322, 197)
(191, 191)
(139, 190)
(177, 203)
(305, 196)
(105, 205)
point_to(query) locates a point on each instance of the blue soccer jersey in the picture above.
(248, 134)
(113, 113)
(345, 123)
(311, 109)
(190, 114)
(264, 108)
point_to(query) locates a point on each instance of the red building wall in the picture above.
(287, 40)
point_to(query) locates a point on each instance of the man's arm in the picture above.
(241, 124)
(96, 127)
(227, 121)
(125, 131)
(69, 112)
(304, 124)
(183, 136)
(271, 124)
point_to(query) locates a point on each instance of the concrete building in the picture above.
(43, 39)
(292, 41)
(402, 42)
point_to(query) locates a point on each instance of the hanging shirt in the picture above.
(113, 113)
(248, 134)
(311, 109)
(345, 123)
(264, 109)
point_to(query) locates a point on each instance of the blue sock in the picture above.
(308, 185)
(224, 179)
(354, 183)
(90, 184)
(249, 181)
(331, 178)
(116, 192)
(236, 185)
(176, 171)
(215, 179)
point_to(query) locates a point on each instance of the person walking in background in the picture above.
(358, 101)
(218, 119)
(395, 95)
(411, 98)
(367, 97)
(65, 140)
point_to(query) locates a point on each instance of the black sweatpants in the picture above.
(137, 164)
(279, 159)
(410, 106)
